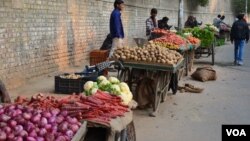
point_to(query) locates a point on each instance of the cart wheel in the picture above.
(213, 54)
(127, 134)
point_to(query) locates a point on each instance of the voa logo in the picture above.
(236, 132)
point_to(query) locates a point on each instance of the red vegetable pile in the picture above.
(98, 108)
(171, 38)
(23, 123)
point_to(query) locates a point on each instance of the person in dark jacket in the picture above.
(116, 26)
(163, 23)
(239, 36)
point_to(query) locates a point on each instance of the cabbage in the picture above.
(114, 80)
(105, 85)
(124, 87)
(126, 97)
(90, 88)
(115, 89)
(88, 85)
(101, 78)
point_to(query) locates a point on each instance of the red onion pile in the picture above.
(21, 123)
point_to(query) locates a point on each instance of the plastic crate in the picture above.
(69, 86)
(98, 56)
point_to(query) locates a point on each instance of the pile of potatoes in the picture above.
(153, 54)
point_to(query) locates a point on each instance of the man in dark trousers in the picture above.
(239, 36)
(4, 95)
(116, 27)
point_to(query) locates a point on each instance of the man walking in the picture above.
(116, 27)
(239, 36)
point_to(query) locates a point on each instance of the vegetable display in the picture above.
(100, 107)
(172, 40)
(193, 40)
(111, 85)
(150, 54)
(205, 35)
(23, 123)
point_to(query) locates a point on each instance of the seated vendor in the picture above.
(4, 95)
(163, 23)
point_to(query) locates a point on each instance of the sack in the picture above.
(204, 74)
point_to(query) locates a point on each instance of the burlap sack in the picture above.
(204, 74)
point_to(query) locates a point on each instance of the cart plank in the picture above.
(154, 67)
(79, 136)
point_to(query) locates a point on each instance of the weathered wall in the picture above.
(38, 37)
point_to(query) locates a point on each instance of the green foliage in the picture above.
(238, 6)
(205, 35)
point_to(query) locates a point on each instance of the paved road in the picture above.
(198, 117)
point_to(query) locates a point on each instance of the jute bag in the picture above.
(204, 74)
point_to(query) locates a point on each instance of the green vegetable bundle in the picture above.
(205, 35)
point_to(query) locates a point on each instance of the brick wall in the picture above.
(38, 37)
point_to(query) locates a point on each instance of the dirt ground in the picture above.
(187, 116)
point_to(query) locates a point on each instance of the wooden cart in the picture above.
(124, 130)
(164, 77)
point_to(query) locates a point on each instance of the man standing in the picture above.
(151, 22)
(239, 35)
(216, 21)
(116, 27)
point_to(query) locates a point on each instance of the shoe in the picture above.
(240, 63)
(235, 63)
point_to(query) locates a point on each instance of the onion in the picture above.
(12, 107)
(47, 114)
(10, 136)
(74, 127)
(4, 118)
(59, 119)
(20, 107)
(3, 136)
(50, 137)
(18, 129)
(72, 120)
(18, 112)
(36, 118)
(64, 113)
(1, 111)
(42, 132)
(23, 133)
(55, 112)
(27, 116)
(29, 126)
(48, 126)
(63, 127)
(43, 122)
(3, 124)
(54, 129)
(12, 123)
(52, 119)
(7, 129)
(1, 106)
(70, 133)
(18, 138)
(29, 109)
(42, 139)
(60, 138)
(31, 139)
(33, 133)
(20, 120)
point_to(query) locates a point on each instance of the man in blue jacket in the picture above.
(116, 27)
(240, 36)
